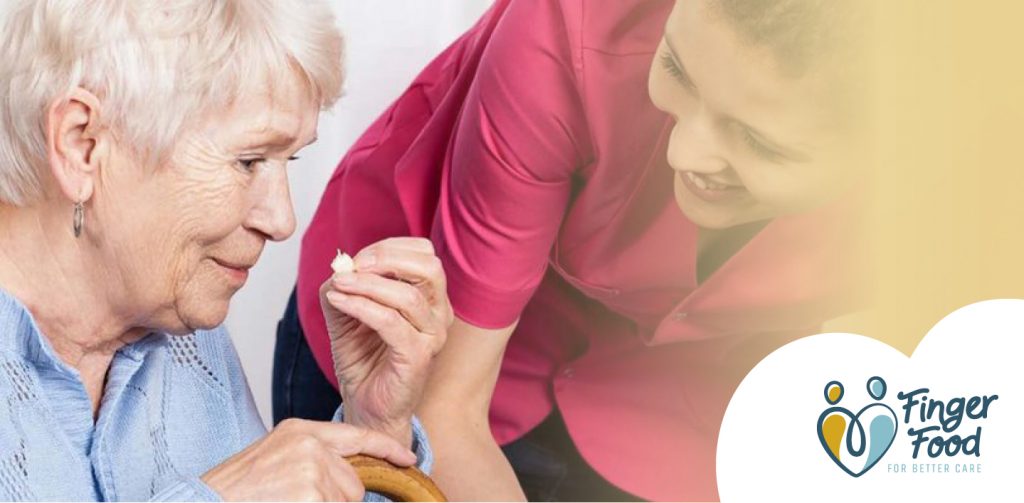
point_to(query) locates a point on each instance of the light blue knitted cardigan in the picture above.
(173, 407)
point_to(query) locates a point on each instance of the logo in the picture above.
(856, 442)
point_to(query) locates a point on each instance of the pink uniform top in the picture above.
(529, 152)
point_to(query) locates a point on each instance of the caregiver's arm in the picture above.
(521, 136)
(468, 463)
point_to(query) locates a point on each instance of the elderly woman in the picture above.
(143, 153)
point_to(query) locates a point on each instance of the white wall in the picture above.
(388, 42)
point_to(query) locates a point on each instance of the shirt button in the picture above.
(680, 316)
(568, 373)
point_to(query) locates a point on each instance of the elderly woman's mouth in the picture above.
(237, 272)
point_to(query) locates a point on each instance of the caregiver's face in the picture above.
(195, 226)
(749, 143)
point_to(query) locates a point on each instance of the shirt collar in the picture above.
(798, 272)
(20, 335)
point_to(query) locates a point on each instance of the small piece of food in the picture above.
(343, 263)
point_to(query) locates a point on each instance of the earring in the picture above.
(79, 220)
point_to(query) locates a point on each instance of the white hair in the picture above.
(155, 64)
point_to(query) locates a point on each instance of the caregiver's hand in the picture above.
(386, 322)
(303, 461)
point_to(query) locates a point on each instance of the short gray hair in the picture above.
(156, 64)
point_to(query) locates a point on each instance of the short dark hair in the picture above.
(799, 33)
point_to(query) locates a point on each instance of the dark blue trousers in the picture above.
(545, 460)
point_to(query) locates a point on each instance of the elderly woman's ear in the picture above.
(76, 144)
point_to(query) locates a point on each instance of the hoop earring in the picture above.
(79, 220)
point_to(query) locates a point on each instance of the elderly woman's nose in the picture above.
(273, 214)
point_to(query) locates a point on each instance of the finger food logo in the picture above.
(857, 441)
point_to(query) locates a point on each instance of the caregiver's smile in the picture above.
(708, 188)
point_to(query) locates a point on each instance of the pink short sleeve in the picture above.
(509, 170)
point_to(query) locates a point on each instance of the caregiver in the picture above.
(600, 330)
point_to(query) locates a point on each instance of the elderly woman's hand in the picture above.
(303, 461)
(386, 322)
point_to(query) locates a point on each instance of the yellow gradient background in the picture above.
(947, 207)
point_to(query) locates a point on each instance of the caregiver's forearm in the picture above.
(468, 464)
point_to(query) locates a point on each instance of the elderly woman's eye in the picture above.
(249, 164)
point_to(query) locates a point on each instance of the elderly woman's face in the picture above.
(186, 234)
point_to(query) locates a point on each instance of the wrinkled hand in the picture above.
(386, 322)
(303, 461)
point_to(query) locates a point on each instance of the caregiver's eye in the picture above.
(760, 149)
(677, 72)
